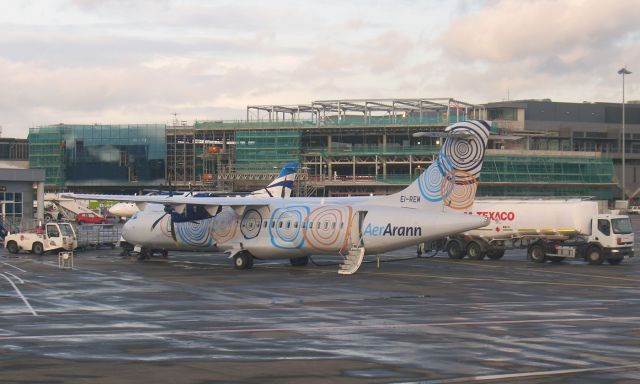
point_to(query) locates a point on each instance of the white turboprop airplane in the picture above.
(281, 186)
(163, 235)
(296, 228)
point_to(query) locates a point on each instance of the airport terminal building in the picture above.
(350, 147)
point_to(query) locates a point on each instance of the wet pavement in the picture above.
(193, 318)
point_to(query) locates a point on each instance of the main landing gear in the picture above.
(243, 260)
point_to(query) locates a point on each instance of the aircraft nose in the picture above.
(128, 230)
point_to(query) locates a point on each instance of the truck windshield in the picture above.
(621, 226)
(66, 230)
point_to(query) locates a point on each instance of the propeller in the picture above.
(168, 210)
(192, 213)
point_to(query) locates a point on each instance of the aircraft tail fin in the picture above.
(282, 185)
(452, 179)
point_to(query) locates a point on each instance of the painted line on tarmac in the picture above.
(13, 266)
(503, 280)
(534, 374)
(375, 273)
(24, 299)
(15, 277)
(311, 329)
(531, 269)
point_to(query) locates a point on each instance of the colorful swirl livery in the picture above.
(453, 177)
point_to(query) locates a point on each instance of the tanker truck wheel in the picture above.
(595, 256)
(536, 253)
(496, 254)
(455, 249)
(475, 251)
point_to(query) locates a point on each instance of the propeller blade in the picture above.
(173, 232)
(157, 221)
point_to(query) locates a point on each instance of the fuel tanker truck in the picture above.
(550, 230)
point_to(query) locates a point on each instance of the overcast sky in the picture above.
(135, 61)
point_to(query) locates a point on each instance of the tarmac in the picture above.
(192, 318)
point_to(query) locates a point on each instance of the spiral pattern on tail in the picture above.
(453, 176)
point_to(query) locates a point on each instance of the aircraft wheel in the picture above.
(243, 260)
(144, 254)
(299, 261)
(37, 249)
(12, 247)
(455, 249)
(475, 251)
(536, 253)
(496, 254)
(556, 259)
(615, 261)
(595, 256)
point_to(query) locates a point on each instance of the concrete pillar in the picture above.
(410, 166)
(40, 200)
(354, 167)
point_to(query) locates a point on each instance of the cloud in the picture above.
(510, 30)
(124, 61)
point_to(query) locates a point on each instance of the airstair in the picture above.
(70, 208)
(352, 261)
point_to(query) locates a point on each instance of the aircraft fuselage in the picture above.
(288, 228)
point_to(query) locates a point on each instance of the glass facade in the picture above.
(100, 155)
(12, 202)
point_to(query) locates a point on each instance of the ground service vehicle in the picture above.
(54, 236)
(549, 229)
(90, 218)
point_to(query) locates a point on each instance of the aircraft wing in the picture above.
(211, 204)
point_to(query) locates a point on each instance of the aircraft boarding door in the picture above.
(357, 222)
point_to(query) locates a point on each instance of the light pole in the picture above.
(623, 71)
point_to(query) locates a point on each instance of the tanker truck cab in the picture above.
(611, 239)
(54, 236)
(613, 235)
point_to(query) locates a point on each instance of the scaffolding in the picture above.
(263, 151)
(370, 112)
(47, 151)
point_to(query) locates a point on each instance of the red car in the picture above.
(90, 218)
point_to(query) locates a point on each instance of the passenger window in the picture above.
(341, 225)
(273, 224)
(326, 224)
(319, 224)
(333, 225)
(288, 224)
(264, 224)
(304, 225)
(295, 224)
(280, 224)
(604, 226)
